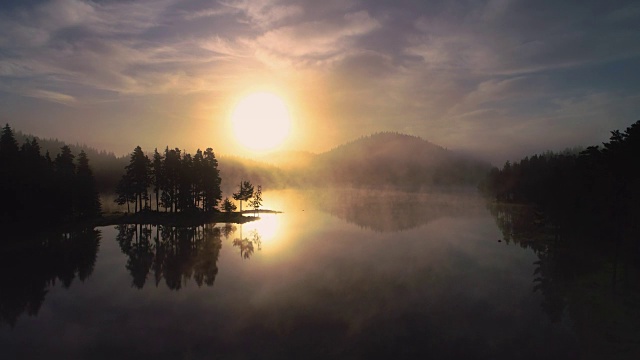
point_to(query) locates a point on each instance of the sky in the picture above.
(499, 79)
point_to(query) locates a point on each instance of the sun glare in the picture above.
(261, 121)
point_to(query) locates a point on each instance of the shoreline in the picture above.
(179, 219)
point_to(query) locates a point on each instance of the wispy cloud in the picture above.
(317, 40)
(51, 96)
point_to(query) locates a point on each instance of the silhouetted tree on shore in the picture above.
(210, 178)
(245, 192)
(9, 173)
(228, 206)
(31, 184)
(157, 176)
(180, 182)
(256, 203)
(137, 178)
(599, 184)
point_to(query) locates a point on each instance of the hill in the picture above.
(395, 160)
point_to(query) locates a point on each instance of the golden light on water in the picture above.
(264, 235)
(261, 121)
(267, 227)
(276, 233)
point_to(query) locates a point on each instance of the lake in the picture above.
(338, 274)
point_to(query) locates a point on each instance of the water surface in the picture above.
(341, 274)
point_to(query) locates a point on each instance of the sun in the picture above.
(261, 121)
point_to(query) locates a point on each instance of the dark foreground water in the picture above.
(337, 275)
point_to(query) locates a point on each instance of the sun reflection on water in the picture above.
(267, 226)
(264, 234)
(271, 234)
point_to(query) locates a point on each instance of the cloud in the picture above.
(265, 13)
(114, 46)
(317, 40)
(446, 70)
(208, 12)
(51, 96)
(509, 37)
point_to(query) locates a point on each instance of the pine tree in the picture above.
(9, 179)
(245, 192)
(210, 178)
(256, 203)
(171, 168)
(198, 178)
(138, 178)
(8, 144)
(185, 182)
(228, 206)
(157, 176)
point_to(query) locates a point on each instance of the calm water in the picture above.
(337, 275)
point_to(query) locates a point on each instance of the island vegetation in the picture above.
(176, 188)
(179, 182)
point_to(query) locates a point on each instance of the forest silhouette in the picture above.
(179, 181)
(596, 192)
(36, 187)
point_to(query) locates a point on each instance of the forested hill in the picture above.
(398, 161)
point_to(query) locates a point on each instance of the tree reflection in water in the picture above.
(176, 254)
(593, 285)
(228, 230)
(30, 267)
(248, 244)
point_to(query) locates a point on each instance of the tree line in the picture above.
(597, 189)
(31, 184)
(176, 181)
